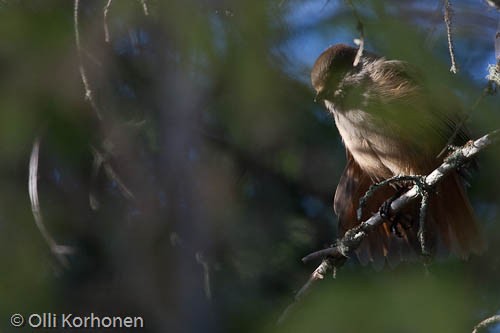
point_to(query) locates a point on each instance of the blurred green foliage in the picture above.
(403, 302)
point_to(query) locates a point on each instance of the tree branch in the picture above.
(448, 13)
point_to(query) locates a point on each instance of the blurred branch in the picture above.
(487, 322)
(59, 251)
(200, 258)
(96, 166)
(145, 7)
(83, 73)
(106, 29)
(336, 256)
(324, 6)
(448, 13)
(177, 241)
(101, 160)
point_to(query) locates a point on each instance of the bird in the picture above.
(393, 121)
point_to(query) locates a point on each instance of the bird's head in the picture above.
(330, 68)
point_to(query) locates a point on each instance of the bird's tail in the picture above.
(452, 216)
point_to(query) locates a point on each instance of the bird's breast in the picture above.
(376, 149)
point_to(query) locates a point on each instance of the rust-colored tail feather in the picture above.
(452, 212)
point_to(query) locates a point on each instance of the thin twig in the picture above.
(200, 258)
(121, 185)
(324, 5)
(336, 256)
(101, 160)
(487, 322)
(83, 73)
(421, 231)
(318, 274)
(96, 166)
(361, 34)
(145, 7)
(448, 13)
(59, 251)
(126, 192)
(177, 241)
(105, 18)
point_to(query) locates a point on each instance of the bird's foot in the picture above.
(397, 226)
(385, 210)
(394, 229)
(395, 220)
(418, 180)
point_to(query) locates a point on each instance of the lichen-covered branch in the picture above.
(494, 73)
(447, 20)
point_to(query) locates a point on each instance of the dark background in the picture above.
(207, 118)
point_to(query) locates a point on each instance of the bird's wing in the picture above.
(430, 109)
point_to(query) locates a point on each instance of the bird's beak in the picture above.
(320, 96)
